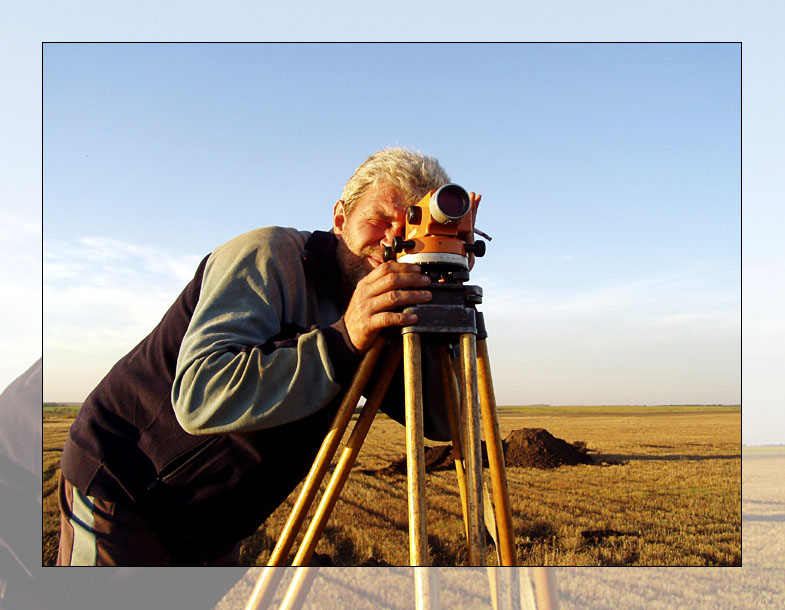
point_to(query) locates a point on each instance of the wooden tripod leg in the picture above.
(526, 590)
(493, 583)
(300, 587)
(348, 457)
(426, 589)
(415, 451)
(471, 421)
(493, 443)
(268, 581)
(545, 588)
(504, 595)
(454, 418)
(326, 453)
(513, 587)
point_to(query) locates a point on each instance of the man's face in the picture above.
(373, 222)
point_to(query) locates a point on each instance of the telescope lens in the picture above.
(452, 201)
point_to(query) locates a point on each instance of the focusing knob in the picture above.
(413, 215)
(477, 248)
(399, 244)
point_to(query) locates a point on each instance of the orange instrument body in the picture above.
(439, 230)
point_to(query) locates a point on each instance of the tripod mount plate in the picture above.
(451, 310)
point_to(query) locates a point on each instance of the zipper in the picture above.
(177, 464)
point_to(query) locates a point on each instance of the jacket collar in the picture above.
(320, 261)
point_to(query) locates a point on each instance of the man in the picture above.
(195, 437)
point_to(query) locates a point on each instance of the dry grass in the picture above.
(674, 500)
(759, 584)
(55, 431)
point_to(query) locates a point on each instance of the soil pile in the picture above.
(538, 448)
(526, 447)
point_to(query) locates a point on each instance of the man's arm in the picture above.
(237, 369)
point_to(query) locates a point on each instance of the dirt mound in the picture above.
(538, 448)
(526, 447)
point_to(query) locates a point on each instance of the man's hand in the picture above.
(379, 292)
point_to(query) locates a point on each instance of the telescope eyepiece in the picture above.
(449, 203)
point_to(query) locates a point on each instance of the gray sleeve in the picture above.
(229, 376)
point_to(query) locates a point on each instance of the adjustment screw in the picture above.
(478, 248)
(399, 244)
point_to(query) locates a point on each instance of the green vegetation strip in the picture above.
(61, 408)
(616, 409)
(763, 451)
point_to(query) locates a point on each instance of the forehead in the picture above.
(384, 200)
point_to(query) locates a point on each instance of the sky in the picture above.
(610, 174)
(610, 177)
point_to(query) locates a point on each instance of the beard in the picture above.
(354, 267)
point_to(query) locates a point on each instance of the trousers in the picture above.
(97, 532)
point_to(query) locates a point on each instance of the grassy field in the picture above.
(758, 584)
(55, 431)
(673, 498)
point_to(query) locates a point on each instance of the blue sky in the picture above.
(610, 177)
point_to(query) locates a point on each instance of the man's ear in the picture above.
(339, 217)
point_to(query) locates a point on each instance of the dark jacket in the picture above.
(205, 492)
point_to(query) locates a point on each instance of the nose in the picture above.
(389, 234)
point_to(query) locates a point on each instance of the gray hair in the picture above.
(409, 171)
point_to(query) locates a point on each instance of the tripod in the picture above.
(450, 315)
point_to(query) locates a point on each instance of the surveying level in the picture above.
(439, 232)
